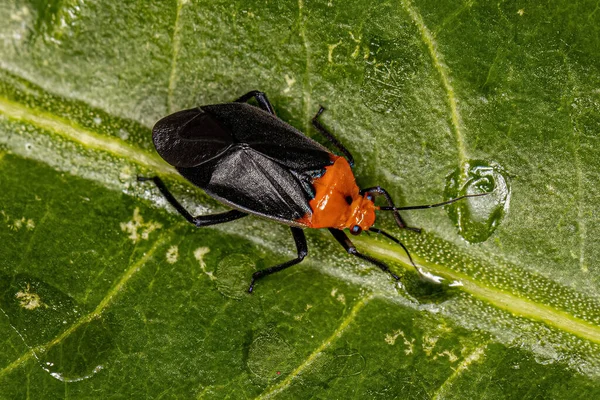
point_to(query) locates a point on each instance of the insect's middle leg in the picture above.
(344, 240)
(379, 191)
(302, 249)
(200, 220)
(261, 99)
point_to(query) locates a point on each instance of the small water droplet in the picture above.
(269, 356)
(329, 365)
(477, 218)
(426, 291)
(234, 274)
(345, 362)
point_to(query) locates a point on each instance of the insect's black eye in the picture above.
(355, 230)
(349, 199)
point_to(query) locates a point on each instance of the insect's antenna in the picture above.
(432, 205)
(387, 235)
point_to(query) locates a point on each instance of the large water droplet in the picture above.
(42, 316)
(478, 217)
(234, 274)
(39, 312)
(82, 353)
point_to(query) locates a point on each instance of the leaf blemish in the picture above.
(290, 81)
(29, 300)
(199, 254)
(340, 297)
(429, 343)
(19, 223)
(172, 254)
(390, 338)
(332, 47)
(137, 228)
(451, 356)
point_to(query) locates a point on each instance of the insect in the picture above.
(250, 160)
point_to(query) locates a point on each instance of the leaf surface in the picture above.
(105, 292)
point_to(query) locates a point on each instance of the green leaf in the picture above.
(105, 292)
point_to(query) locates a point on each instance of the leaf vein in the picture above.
(309, 360)
(441, 68)
(174, 55)
(78, 134)
(110, 295)
(468, 360)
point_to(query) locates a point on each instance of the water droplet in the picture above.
(345, 362)
(330, 365)
(82, 353)
(234, 274)
(41, 315)
(35, 309)
(391, 64)
(477, 218)
(270, 357)
(427, 291)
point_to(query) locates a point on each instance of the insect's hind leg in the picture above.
(261, 99)
(342, 239)
(302, 249)
(199, 221)
(317, 124)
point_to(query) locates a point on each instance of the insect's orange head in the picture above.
(362, 216)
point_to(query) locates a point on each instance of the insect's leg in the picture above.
(302, 249)
(317, 124)
(261, 99)
(341, 237)
(201, 220)
(379, 191)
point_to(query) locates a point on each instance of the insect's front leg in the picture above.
(379, 191)
(317, 124)
(200, 220)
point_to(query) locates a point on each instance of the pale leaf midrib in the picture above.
(85, 137)
(516, 305)
(493, 296)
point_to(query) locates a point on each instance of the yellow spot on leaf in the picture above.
(390, 338)
(29, 300)
(137, 228)
(199, 254)
(332, 47)
(451, 356)
(172, 254)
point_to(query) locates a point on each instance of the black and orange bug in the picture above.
(250, 160)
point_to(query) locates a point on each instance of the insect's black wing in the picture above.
(270, 136)
(190, 137)
(246, 179)
(244, 157)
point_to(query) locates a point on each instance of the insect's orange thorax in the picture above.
(338, 202)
